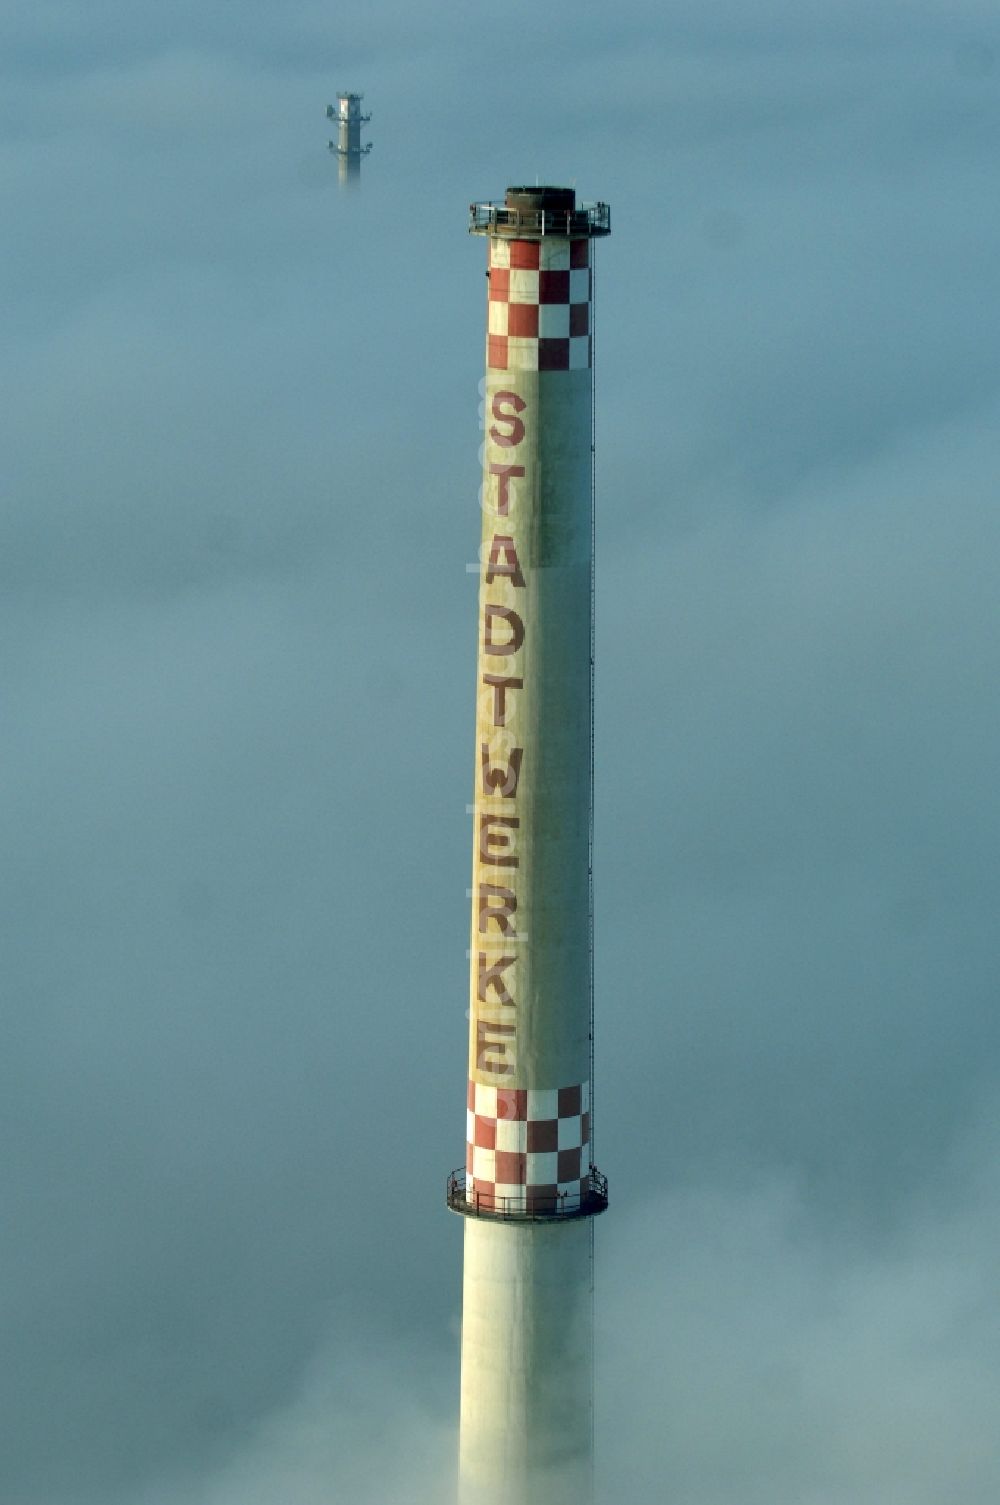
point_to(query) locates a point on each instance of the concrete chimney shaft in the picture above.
(530, 1188)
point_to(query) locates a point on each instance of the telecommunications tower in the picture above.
(530, 1189)
(347, 148)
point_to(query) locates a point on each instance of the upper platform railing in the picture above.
(501, 219)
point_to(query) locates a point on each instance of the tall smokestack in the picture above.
(530, 1188)
(347, 148)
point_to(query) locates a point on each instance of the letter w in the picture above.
(501, 781)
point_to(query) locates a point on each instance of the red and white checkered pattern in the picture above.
(527, 1147)
(539, 305)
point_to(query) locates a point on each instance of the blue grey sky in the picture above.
(237, 498)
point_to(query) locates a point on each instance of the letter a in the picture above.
(504, 545)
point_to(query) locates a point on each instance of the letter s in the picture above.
(511, 399)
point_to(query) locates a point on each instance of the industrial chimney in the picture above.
(530, 1189)
(347, 148)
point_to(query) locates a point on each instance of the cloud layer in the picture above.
(237, 498)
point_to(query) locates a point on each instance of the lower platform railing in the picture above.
(528, 1205)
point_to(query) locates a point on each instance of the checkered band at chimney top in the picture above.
(529, 1188)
